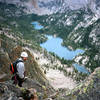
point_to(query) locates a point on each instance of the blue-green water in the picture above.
(36, 25)
(81, 68)
(54, 45)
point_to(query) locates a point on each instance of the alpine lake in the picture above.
(54, 44)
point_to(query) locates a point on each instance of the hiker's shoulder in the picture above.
(20, 61)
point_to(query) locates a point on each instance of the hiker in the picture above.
(19, 74)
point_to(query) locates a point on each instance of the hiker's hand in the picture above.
(12, 78)
(22, 79)
(25, 78)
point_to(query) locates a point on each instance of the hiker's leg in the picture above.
(20, 81)
(14, 78)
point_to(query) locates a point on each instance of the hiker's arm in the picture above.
(25, 73)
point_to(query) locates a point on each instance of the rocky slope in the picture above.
(87, 90)
(31, 90)
(9, 52)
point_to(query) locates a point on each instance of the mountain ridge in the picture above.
(42, 7)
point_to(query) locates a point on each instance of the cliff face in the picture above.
(42, 7)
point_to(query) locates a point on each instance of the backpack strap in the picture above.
(17, 61)
(12, 68)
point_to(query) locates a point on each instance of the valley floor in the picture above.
(56, 78)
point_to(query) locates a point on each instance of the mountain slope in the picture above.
(10, 52)
(42, 7)
(87, 90)
(15, 35)
(89, 39)
(78, 29)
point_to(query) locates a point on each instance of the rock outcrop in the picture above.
(87, 90)
(8, 91)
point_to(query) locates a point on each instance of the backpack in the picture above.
(13, 66)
